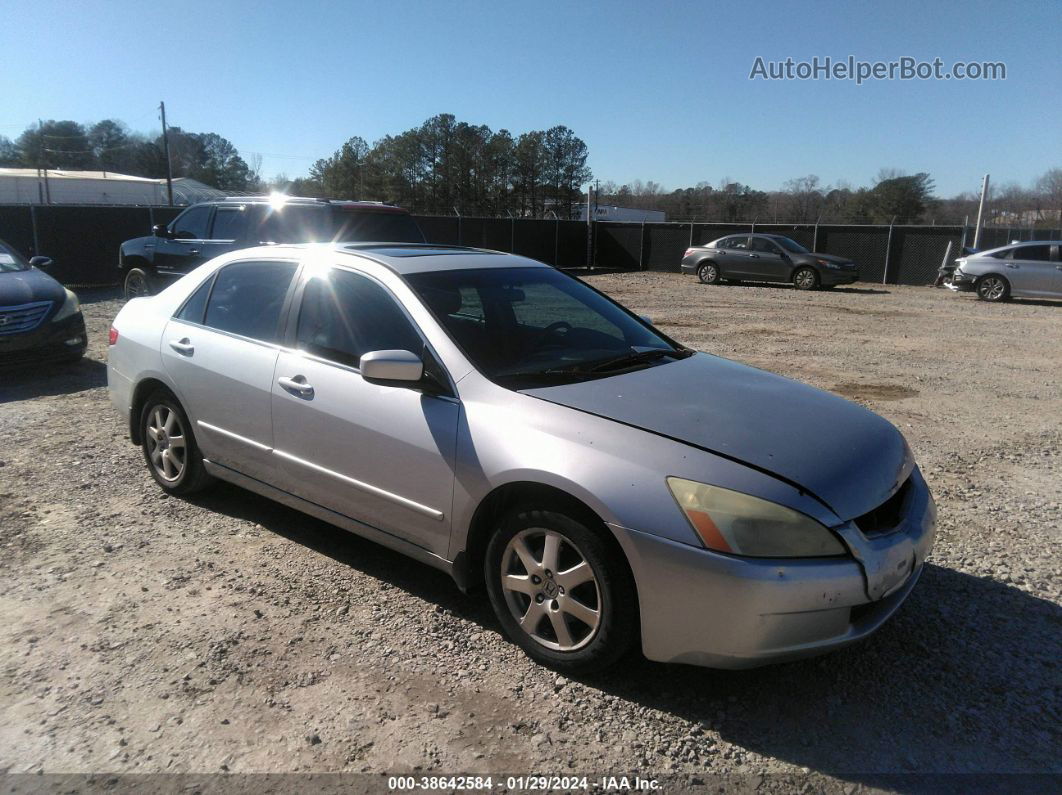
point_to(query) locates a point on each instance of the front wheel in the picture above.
(992, 288)
(708, 273)
(560, 592)
(170, 450)
(137, 284)
(805, 279)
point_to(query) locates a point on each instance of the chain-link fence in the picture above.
(83, 240)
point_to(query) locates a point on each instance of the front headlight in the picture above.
(828, 264)
(739, 524)
(71, 306)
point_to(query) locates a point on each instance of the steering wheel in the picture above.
(549, 331)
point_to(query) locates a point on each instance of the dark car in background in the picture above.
(40, 320)
(205, 230)
(766, 258)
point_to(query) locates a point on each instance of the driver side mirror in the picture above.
(42, 263)
(397, 368)
(160, 230)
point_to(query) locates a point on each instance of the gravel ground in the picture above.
(228, 633)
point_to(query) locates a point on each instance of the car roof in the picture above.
(987, 251)
(407, 258)
(343, 204)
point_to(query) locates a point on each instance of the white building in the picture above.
(57, 186)
(610, 212)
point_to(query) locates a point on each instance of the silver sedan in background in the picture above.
(505, 422)
(1021, 270)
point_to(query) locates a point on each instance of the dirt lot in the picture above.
(228, 633)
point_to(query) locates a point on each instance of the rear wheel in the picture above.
(992, 288)
(560, 592)
(708, 273)
(170, 450)
(137, 284)
(805, 279)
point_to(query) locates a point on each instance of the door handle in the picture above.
(1013, 267)
(754, 256)
(193, 251)
(296, 384)
(1058, 267)
(183, 346)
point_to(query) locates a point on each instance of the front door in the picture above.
(183, 250)
(221, 355)
(382, 455)
(766, 262)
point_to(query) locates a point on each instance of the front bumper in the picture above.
(833, 277)
(51, 340)
(704, 608)
(961, 282)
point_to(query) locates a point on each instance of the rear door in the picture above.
(1031, 270)
(733, 255)
(221, 350)
(382, 455)
(228, 231)
(184, 249)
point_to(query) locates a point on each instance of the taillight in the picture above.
(688, 252)
(113, 338)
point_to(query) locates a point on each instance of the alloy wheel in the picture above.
(805, 279)
(551, 589)
(166, 445)
(708, 273)
(136, 286)
(991, 288)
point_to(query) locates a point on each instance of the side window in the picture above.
(192, 224)
(195, 306)
(1035, 253)
(344, 315)
(764, 245)
(230, 223)
(247, 298)
(739, 242)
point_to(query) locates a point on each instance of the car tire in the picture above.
(708, 273)
(137, 284)
(805, 278)
(575, 624)
(992, 288)
(177, 467)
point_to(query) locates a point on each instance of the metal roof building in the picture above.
(58, 186)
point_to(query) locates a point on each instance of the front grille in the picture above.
(23, 318)
(886, 517)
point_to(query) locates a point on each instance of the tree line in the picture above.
(109, 145)
(445, 166)
(893, 195)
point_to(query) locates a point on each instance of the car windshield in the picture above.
(11, 260)
(790, 245)
(524, 327)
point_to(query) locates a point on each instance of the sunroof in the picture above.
(415, 251)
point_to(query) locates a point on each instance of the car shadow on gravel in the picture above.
(850, 290)
(352, 550)
(962, 680)
(97, 295)
(24, 382)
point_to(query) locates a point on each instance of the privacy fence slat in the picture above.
(83, 240)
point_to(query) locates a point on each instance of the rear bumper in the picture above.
(704, 608)
(48, 342)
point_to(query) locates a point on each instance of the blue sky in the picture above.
(658, 91)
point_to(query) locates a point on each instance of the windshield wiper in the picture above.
(632, 359)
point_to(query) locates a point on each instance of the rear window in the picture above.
(326, 224)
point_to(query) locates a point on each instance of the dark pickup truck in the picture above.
(205, 230)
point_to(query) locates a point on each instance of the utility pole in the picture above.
(43, 159)
(166, 150)
(980, 212)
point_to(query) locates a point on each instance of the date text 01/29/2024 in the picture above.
(532, 783)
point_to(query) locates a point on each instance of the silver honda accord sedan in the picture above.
(507, 423)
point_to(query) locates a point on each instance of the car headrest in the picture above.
(443, 300)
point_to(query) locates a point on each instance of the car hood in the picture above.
(847, 457)
(830, 258)
(23, 287)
